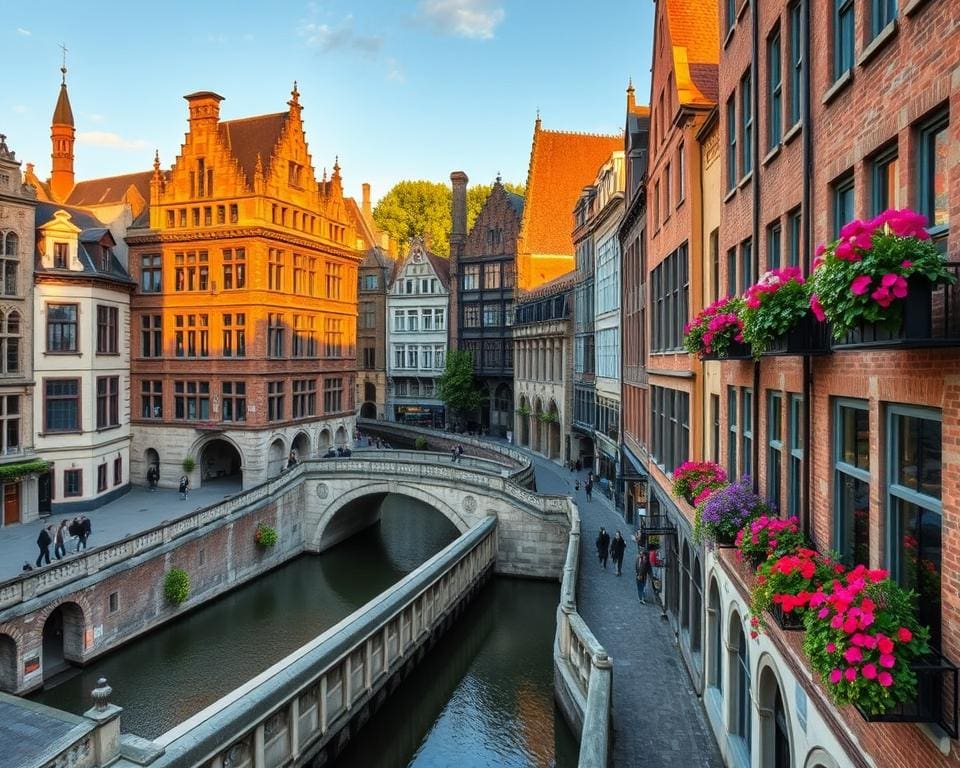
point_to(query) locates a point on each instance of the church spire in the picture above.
(62, 136)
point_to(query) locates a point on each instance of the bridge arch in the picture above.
(8, 663)
(63, 637)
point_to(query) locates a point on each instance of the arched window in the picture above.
(685, 587)
(10, 263)
(10, 343)
(715, 640)
(696, 605)
(741, 720)
(11, 244)
(781, 737)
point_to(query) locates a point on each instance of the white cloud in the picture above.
(93, 117)
(339, 36)
(24, 32)
(476, 19)
(107, 139)
(21, 109)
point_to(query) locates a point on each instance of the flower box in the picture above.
(787, 620)
(936, 699)
(725, 541)
(808, 337)
(738, 350)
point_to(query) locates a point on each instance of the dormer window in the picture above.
(105, 259)
(61, 254)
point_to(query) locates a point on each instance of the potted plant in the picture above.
(863, 639)
(188, 464)
(524, 410)
(875, 281)
(725, 511)
(265, 536)
(785, 583)
(696, 480)
(716, 333)
(777, 318)
(765, 537)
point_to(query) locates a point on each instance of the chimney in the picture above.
(458, 239)
(204, 108)
(367, 213)
(458, 233)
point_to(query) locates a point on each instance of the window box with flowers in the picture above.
(784, 585)
(777, 319)
(725, 511)
(694, 481)
(883, 283)
(767, 536)
(716, 333)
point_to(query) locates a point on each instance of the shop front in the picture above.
(432, 416)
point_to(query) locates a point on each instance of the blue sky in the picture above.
(402, 89)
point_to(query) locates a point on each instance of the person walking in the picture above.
(184, 487)
(617, 548)
(74, 530)
(459, 453)
(589, 489)
(642, 569)
(453, 454)
(291, 460)
(603, 546)
(43, 542)
(60, 541)
(86, 528)
(153, 475)
(576, 485)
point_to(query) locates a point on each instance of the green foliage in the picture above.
(457, 386)
(11, 472)
(189, 464)
(420, 443)
(773, 306)
(422, 208)
(266, 536)
(549, 417)
(524, 410)
(176, 586)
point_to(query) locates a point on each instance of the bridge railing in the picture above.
(585, 669)
(287, 713)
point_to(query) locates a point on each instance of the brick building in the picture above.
(243, 328)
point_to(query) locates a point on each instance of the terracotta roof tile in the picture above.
(561, 284)
(694, 28)
(248, 137)
(111, 189)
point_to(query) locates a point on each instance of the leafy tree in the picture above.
(457, 387)
(422, 208)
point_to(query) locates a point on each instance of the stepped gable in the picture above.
(250, 137)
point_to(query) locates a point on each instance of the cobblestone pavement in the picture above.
(658, 720)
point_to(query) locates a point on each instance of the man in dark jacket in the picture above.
(642, 569)
(617, 547)
(43, 541)
(603, 546)
(86, 528)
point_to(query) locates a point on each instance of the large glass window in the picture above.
(915, 508)
(744, 705)
(108, 402)
(746, 264)
(150, 273)
(61, 405)
(746, 116)
(107, 327)
(670, 294)
(795, 472)
(774, 237)
(775, 90)
(62, 327)
(796, 61)
(774, 447)
(934, 184)
(794, 224)
(852, 481)
(885, 181)
(732, 432)
(842, 202)
(10, 343)
(842, 37)
(471, 277)
(191, 400)
(731, 143)
(746, 418)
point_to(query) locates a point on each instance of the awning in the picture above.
(631, 467)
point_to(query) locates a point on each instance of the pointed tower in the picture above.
(62, 134)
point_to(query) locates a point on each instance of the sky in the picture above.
(398, 89)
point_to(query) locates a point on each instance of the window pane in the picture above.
(919, 560)
(853, 519)
(855, 437)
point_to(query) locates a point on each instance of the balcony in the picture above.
(931, 318)
(808, 337)
(737, 350)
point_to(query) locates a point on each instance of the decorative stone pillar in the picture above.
(106, 737)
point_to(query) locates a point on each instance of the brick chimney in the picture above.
(458, 239)
(204, 109)
(367, 211)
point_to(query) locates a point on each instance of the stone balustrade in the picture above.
(297, 710)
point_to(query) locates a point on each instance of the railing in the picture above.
(286, 714)
(582, 662)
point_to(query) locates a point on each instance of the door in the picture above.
(11, 503)
(44, 492)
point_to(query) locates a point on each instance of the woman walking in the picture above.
(617, 548)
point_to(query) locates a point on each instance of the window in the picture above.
(842, 202)
(192, 335)
(61, 328)
(671, 430)
(774, 447)
(399, 320)
(73, 482)
(107, 321)
(746, 433)
(274, 401)
(108, 402)
(304, 398)
(471, 277)
(438, 356)
(10, 343)
(332, 395)
(274, 335)
(915, 508)
(670, 291)
(61, 405)
(234, 268)
(732, 432)
(794, 224)
(681, 175)
(842, 37)
(607, 352)
(117, 470)
(234, 334)
(299, 274)
(744, 702)
(151, 399)
(934, 181)
(491, 275)
(882, 12)
(413, 320)
(334, 279)
(275, 259)
(412, 361)
(715, 431)
(367, 315)
(608, 276)
(234, 401)
(746, 264)
(731, 144)
(732, 272)
(746, 116)
(492, 316)
(114, 604)
(101, 477)
(775, 90)
(885, 182)
(369, 358)
(61, 254)
(234, 213)
(492, 353)
(852, 481)
(731, 15)
(773, 245)
(795, 472)
(370, 282)
(796, 61)
(10, 424)
(333, 337)
(151, 335)
(191, 271)
(656, 204)
(150, 273)
(715, 629)
(667, 191)
(191, 400)
(471, 315)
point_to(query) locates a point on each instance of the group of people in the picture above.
(456, 453)
(79, 529)
(616, 548)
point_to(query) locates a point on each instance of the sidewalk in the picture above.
(658, 720)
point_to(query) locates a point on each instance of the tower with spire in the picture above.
(62, 137)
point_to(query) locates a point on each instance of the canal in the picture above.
(489, 702)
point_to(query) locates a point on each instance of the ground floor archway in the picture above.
(301, 445)
(368, 410)
(8, 663)
(220, 460)
(151, 458)
(553, 432)
(324, 441)
(276, 458)
(340, 438)
(62, 640)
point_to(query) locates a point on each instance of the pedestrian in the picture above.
(579, 465)
(153, 475)
(603, 546)
(86, 528)
(60, 544)
(576, 485)
(642, 569)
(74, 530)
(590, 477)
(453, 454)
(589, 489)
(184, 487)
(43, 542)
(617, 548)
(460, 453)
(292, 460)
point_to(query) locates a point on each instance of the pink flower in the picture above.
(850, 625)
(830, 648)
(850, 673)
(823, 613)
(820, 250)
(885, 679)
(869, 671)
(853, 655)
(858, 639)
(860, 285)
(817, 308)
(887, 660)
(836, 676)
(885, 644)
(906, 264)
(882, 297)
(900, 287)
(904, 635)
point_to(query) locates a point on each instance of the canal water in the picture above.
(487, 702)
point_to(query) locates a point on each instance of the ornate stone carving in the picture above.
(469, 504)
(323, 490)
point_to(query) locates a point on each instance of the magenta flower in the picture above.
(831, 648)
(906, 264)
(882, 297)
(860, 285)
(816, 308)
(836, 676)
(869, 671)
(850, 673)
(904, 635)
(885, 679)
(853, 655)
(887, 660)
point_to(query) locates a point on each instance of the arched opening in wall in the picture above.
(62, 638)
(324, 441)
(276, 458)
(340, 438)
(151, 458)
(696, 605)
(740, 712)
(774, 724)
(586, 452)
(684, 584)
(537, 427)
(301, 445)
(368, 410)
(715, 639)
(370, 393)
(8, 664)
(553, 425)
(221, 463)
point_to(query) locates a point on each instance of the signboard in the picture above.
(31, 665)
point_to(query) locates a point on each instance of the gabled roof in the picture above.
(561, 164)
(441, 266)
(84, 220)
(111, 189)
(367, 229)
(376, 257)
(93, 233)
(694, 29)
(248, 137)
(515, 201)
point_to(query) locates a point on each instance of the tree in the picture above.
(422, 208)
(457, 387)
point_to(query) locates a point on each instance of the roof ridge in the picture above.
(115, 176)
(584, 133)
(253, 117)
